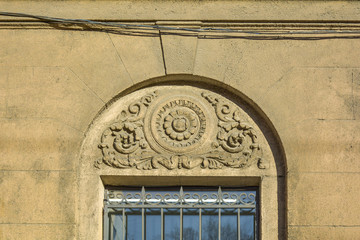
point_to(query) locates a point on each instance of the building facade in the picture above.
(259, 99)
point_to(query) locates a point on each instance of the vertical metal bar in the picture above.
(200, 224)
(238, 223)
(124, 223)
(162, 223)
(220, 198)
(142, 223)
(181, 223)
(143, 196)
(181, 198)
(219, 209)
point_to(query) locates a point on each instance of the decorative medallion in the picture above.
(187, 130)
(177, 124)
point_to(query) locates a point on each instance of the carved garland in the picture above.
(235, 145)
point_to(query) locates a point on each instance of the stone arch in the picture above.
(174, 130)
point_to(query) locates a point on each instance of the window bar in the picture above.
(219, 199)
(181, 223)
(219, 223)
(181, 197)
(200, 224)
(124, 223)
(162, 223)
(143, 213)
(143, 223)
(238, 222)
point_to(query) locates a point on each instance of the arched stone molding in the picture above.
(188, 134)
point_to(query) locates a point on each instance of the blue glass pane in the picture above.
(133, 224)
(117, 226)
(229, 224)
(172, 224)
(210, 224)
(191, 224)
(247, 224)
(153, 224)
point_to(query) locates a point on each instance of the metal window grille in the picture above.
(181, 214)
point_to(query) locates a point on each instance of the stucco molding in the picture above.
(174, 131)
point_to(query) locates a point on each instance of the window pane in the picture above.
(117, 226)
(133, 224)
(229, 224)
(247, 224)
(172, 224)
(191, 224)
(153, 224)
(210, 224)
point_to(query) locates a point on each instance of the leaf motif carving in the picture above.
(234, 135)
(125, 136)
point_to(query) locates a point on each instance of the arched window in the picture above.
(171, 161)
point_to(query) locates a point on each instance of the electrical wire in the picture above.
(201, 32)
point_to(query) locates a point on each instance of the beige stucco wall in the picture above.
(53, 83)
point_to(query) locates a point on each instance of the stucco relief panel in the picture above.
(181, 127)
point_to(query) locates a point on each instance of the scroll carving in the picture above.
(148, 135)
(126, 135)
(235, 135)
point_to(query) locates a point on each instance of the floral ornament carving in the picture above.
(180, 125)
(124, 144)
(126, 135)
(177, 124)
(235, 135)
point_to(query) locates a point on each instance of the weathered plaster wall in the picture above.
(54, 82)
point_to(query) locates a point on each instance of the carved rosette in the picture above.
(176, 124)
(179, 125)
(180, 131)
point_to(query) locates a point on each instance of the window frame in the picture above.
(115, 201)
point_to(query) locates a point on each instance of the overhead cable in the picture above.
(207, 32)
